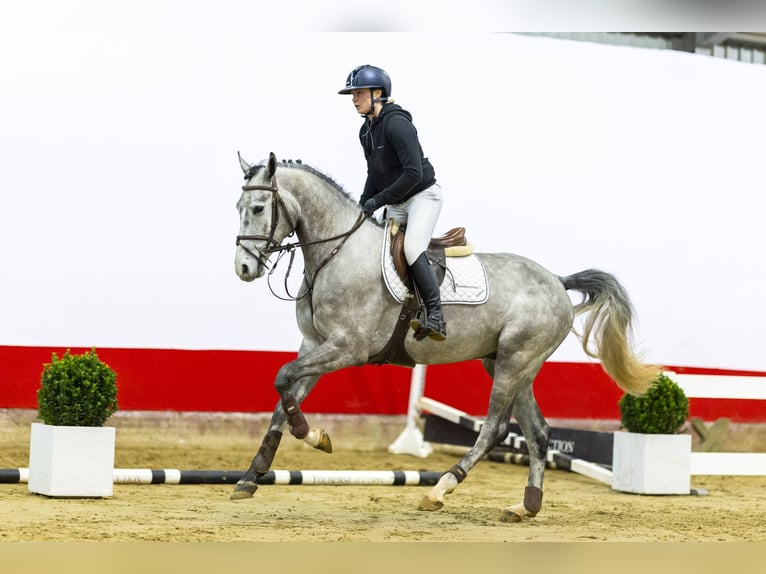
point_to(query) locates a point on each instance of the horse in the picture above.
(346, 315)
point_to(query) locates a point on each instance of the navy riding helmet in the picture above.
(368, 77)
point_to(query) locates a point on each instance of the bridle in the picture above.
(276, 205)
(272, 246)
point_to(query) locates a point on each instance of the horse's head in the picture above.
(266, 217)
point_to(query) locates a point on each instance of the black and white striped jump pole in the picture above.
(558, 460)
(277, 477)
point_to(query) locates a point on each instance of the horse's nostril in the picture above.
(245, 270)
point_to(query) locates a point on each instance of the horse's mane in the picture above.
(298, 164)
(318, 173)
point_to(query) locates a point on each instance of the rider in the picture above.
(400, 177)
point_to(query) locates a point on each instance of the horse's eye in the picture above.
(256, 209)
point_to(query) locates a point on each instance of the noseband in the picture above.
(274, 247)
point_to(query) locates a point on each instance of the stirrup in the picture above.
(418, 324)
(422, 330)
(420, 333)
(419, 321)
(435, 334)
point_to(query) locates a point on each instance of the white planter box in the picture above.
(651, 463)
(71, 461)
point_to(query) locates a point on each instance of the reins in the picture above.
(273, 247)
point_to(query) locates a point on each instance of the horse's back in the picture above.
(523, 291)
(508, 273)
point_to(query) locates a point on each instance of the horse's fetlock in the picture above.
(458, 472)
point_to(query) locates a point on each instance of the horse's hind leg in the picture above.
(493, 431)
(504, 425)
(536, 432)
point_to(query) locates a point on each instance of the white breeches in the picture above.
(420, 213)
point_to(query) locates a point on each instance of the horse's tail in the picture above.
(609, 326)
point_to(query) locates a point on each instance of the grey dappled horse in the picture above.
(346, 315)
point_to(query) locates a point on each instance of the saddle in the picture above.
(451, 244)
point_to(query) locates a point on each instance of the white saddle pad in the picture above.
(465, 281)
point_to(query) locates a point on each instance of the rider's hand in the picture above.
(370, 206)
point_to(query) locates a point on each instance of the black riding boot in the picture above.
(432, 325)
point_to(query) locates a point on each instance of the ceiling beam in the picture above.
(708, 39)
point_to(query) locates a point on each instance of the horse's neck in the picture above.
(325, 213)
(323, 219)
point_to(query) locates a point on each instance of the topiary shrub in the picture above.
(663, 409)
(77, 390)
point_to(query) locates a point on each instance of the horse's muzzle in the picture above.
(248, 266)
(244, 273)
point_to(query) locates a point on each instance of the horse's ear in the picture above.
(243, 164)
(272, 164)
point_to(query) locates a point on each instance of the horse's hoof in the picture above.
(319, 439)
(509, 516)
(430, 504)
(243, 490)
(324, 444)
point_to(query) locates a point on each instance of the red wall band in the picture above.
(242, 381)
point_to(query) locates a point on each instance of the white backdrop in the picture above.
(119, 175)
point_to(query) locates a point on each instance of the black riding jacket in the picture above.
(396, 167)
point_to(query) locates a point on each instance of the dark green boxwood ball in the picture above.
(663, 409)
(77, 390)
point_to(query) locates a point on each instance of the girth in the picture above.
(394, 351)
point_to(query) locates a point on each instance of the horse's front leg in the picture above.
(328, 357)
(264, 457)
(248, 484)
(316, 437)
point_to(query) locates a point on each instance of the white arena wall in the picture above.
(119, 175)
